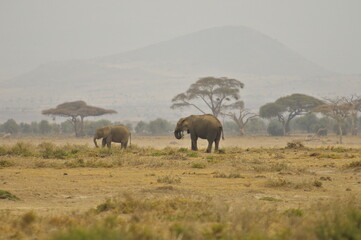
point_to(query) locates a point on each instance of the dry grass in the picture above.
(71, 190)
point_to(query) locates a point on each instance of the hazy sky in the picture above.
(33, 32)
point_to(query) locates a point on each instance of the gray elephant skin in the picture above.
(201, 126)
(119, 134)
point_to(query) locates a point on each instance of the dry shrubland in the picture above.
(73, 191)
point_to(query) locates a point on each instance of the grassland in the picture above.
(255, 188)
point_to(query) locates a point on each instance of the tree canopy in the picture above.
(287, 108)
(209, 92)
(354, 103)
(338, 109)
(74, 110)
(239, 114)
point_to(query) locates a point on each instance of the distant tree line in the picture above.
(220, 97)
(309, 123)
(44, 127)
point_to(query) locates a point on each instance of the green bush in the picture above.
(294, 212)
(275, 128)
(3, 151)
(7, 195)
(21, 149)
(198, 165)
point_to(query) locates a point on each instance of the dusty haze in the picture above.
(326, 32)
(120, 54)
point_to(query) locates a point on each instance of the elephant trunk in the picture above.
(95, 141)
(178, 134)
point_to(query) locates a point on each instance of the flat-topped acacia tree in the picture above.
(77, 111)
(210, 92)
(287, 108)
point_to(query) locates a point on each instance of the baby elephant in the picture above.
(118, 134)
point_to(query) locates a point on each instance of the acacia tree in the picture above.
(338, 109)
(287, 108)
(355, 107)
(77, 111)
(211, 92)
(241, 117)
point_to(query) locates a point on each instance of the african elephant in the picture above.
(200, 126)
(118, 134)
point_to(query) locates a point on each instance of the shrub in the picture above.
(222, 151)
(295, 145)
(7, 195)
(21, 149)
(10, 126)
(278, 183)
(275, 128)
(4, 163)
(108, 205)
(183, 149)
(3, 151)
(160, 126)
(168, 179)
(294, 212)
(192, 154)
(354, 164)
(198, 165)
(279, 167)
(28, 218)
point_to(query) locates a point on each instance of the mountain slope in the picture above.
(140, 84)
(237, 50)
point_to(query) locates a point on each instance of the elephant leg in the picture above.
(125, 144)
(194, 143)
(109, 142)
(104, 142)
(209, 148)
(216, 143)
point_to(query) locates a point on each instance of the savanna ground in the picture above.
(254, 188)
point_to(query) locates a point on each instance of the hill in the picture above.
(139, 84)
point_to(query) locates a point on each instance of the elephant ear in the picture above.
(180, 121)
(106, 131)
(185, 123)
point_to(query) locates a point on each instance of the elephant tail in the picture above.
(222, 133)
(130, 139)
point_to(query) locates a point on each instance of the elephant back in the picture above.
(120, 130)
(211, 120)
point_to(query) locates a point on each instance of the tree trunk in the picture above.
(81, 126)
(287, 129)
(241, 131)
(75, 125)
(354, 129)
(340, 132)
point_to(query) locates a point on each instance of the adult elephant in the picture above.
(200, 126)
(119, 134)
